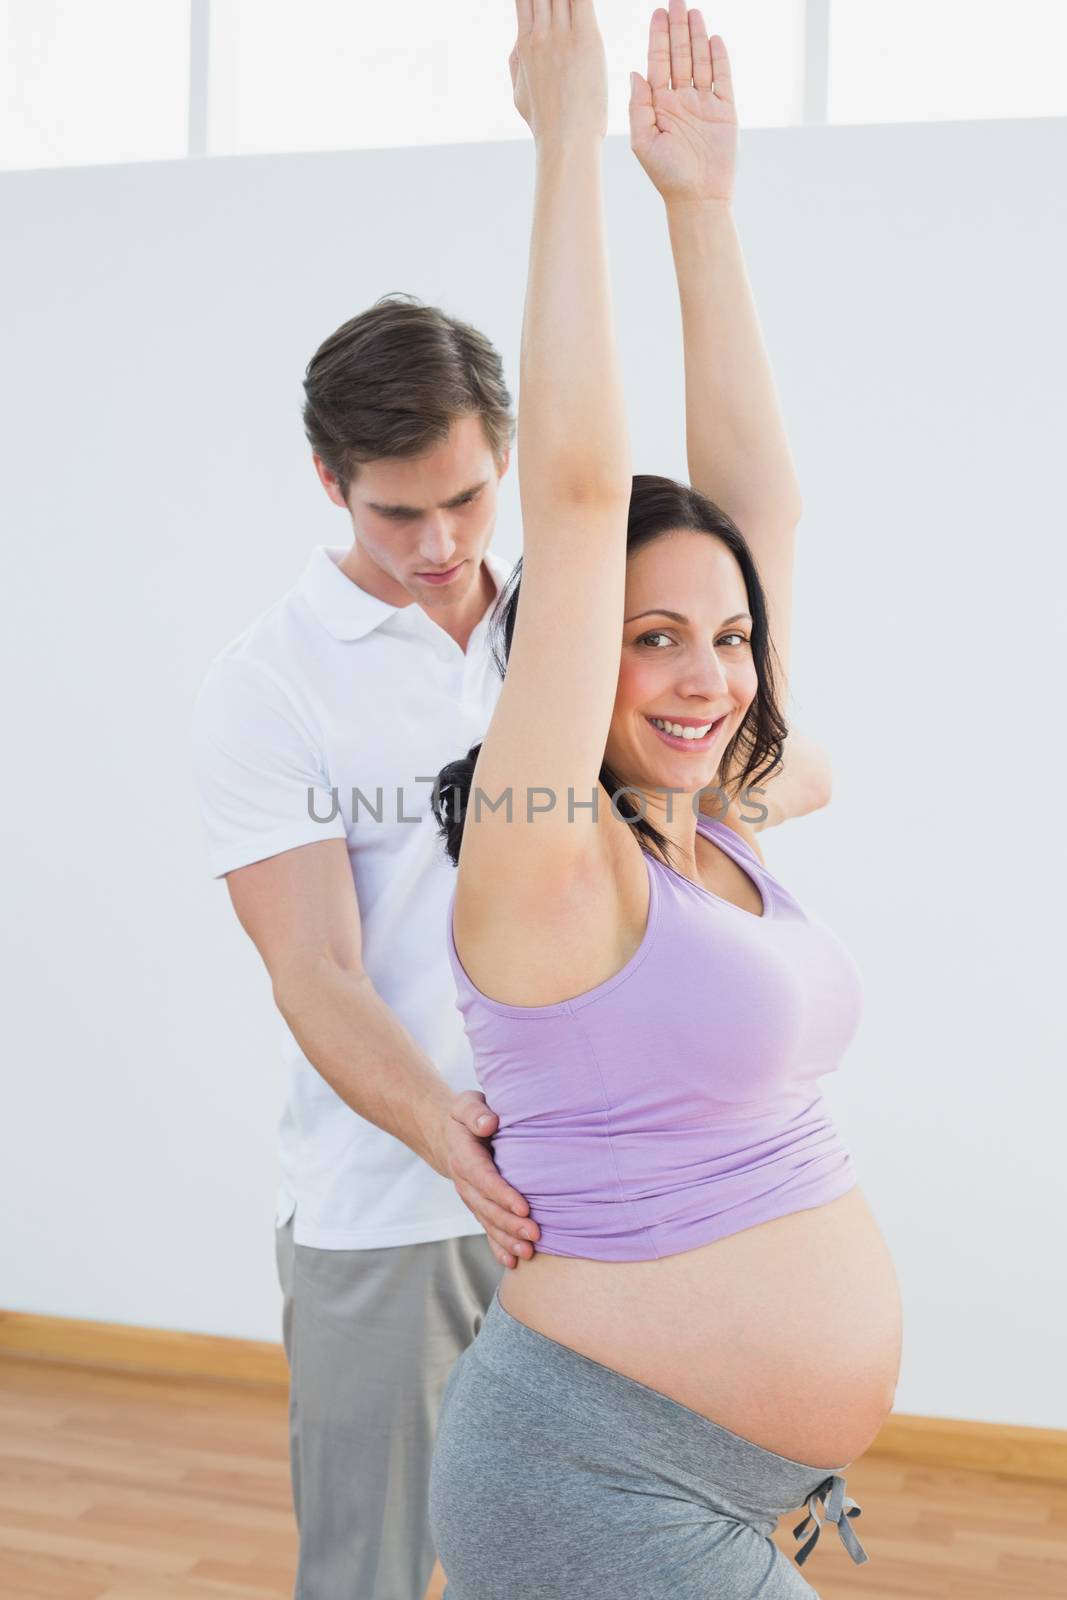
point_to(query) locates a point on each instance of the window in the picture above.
(927, 60)
(87, 81)
(333, 75)
(91, 81)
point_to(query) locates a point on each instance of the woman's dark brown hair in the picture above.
(391, 381)
(658, 506)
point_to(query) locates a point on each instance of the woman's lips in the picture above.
(677, 743)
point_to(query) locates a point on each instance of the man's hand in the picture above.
(465, 1129)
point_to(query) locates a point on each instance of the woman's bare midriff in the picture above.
(787, 1333)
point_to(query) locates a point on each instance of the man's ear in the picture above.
(505, 463)
(329, 481)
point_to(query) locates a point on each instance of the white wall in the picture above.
(159, 494)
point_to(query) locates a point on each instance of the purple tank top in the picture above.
(677, 1101)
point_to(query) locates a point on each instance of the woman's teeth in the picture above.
(679, 731)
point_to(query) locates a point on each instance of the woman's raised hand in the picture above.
(683, 123)
(558, 69)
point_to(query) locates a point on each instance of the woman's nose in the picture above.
(706, 678)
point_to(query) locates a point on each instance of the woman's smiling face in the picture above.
(686, 659)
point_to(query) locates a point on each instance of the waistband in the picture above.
(672, 1434)
(839, 1507)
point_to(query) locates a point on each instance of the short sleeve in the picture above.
(254, 762)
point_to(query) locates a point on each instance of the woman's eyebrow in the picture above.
(676, 616)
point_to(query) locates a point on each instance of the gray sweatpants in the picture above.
(557, 1478)
(371, 1337)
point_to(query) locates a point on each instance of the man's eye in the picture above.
(406, 516)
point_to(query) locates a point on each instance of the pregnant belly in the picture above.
(787, 1333)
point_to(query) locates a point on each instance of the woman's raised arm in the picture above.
(684, 132)
(572, 429)
(545, 743)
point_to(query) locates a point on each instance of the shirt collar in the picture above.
(349, 612)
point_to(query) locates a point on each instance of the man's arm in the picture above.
(299, 908)
(257, 764)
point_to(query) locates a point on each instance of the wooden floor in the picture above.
(135, 1488)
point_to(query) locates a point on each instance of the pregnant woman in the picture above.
(709, 1329)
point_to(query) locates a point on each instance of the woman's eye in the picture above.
(656, 634)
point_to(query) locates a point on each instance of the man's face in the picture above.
(413, 518)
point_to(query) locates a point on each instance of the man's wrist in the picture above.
(431, 1116)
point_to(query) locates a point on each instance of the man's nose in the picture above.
(437, 541)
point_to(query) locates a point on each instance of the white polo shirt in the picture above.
(331, 690)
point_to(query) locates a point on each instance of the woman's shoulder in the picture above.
(732, 828)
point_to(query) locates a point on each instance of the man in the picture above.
(317, 735)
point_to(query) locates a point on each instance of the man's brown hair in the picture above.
(391, 381)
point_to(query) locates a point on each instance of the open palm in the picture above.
(683, 121)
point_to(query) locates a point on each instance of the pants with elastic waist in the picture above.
(371, 1337)
(557, 1478)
